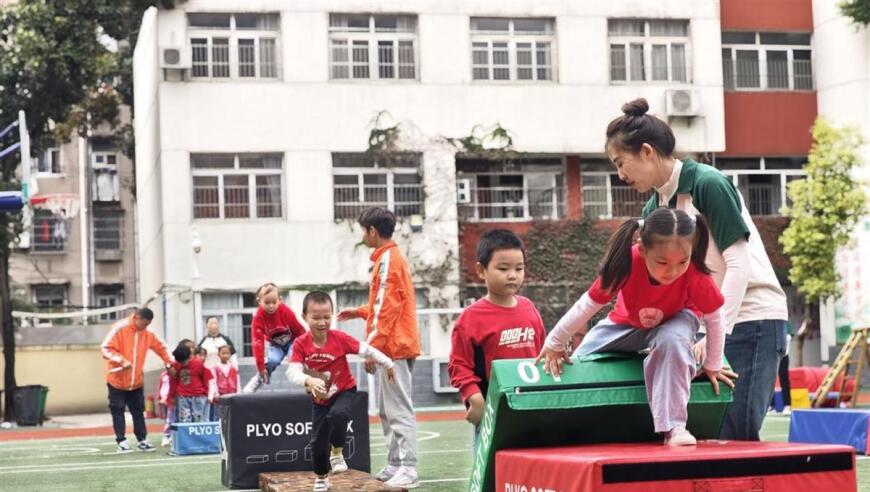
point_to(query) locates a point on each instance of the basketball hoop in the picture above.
(65, 205)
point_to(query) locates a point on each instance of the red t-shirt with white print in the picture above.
(328, 362)
(642, 304)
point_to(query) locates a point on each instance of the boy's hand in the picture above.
(264, 375)
(347, 313)
(553, 360)
(391, 374)
(725, 375)
(162, 401)
(476, 404)
(372, 366)
(126, 364)
(316, 386)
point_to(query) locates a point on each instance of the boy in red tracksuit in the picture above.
(191, 386)
(226, 376)
(502, 325)
(273, 331)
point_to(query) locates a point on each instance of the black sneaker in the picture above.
(145, 446)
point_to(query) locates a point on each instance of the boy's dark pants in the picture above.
(135, 401)
(328, 427)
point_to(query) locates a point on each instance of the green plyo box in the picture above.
(601, 398)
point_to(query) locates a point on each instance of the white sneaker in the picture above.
(679, 436)
(253, 385)
(124, 447)
(321, 484)
(166, 441)
(405, 478)
(386, 473)
(786, 410)
(337, 462)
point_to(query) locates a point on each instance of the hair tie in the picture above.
(640, 223)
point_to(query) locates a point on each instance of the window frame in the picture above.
(63, 288)
(512, 39)
(390, 173)
(557, 205)
(649, 41)
(237, 170)
(108, 293)
(761, 50)
(608, 190)
(46, 154)
(242, 348)
(233, 34)
(373, 38)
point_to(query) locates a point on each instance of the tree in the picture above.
(826, 205)
(858, 10)
(56, 66)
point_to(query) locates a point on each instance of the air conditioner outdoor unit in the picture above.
(682, 102)
(463, 190)
(175, 57)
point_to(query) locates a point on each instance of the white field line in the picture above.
(109, 464)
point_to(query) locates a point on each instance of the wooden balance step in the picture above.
(351, 481)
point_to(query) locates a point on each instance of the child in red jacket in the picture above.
(191, 386)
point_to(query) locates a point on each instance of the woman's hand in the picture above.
(726, 375)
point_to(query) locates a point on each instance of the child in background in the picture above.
(502, 325)
(322, 354)
(226, 376)
(167, 406)
(200, 353)
(191, 386)
(662, 288)
(273, 330)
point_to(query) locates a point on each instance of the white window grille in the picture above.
(48, 162)
(520, 196)
(109, 296)
(360, 183)
(108, 226)
(236, 46)
(649, 50)
(49, 295)
(767, 61)
(512, 49)
(363, 46)
(105, 186)
(605, 196)
(48, 232)
(234, 311)
(237, 186)
(763, 181)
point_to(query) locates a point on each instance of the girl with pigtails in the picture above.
(663, 291)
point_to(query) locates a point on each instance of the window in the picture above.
(512, 49)
(357, 327)
(767, 61)
(237, 186)
(105, 186)
(763, 181)
(605, 196)
(528, 191)
(46, 296)
(108, 226)
(648, 50)
(48, 162)
(363, 46)
(360, 182)
(234, 311)
(237, 46)
(49, 232)
(109, 296)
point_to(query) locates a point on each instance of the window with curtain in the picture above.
(237, 46)
(512, 49)
(237, 186)
(363, 46)
(643, 50)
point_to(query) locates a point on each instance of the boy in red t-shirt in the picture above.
(319, 362)
(502, 325)
(273, 330)
(190, 386)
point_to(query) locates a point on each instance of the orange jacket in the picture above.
(126, 343)
(391, 313)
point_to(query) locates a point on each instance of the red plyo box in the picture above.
(711, 466)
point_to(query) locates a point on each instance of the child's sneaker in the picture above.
(386, 473)
(679, 436)
(145, 447)
(124, 447)
(253, 385)
(336, 460)
(321, 484)
(405, 478)
(166, 441)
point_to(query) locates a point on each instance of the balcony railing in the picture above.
(513, 203)
(624, 201)
(403, 199)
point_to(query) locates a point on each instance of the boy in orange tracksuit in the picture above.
(124, 349)
(391, 327)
